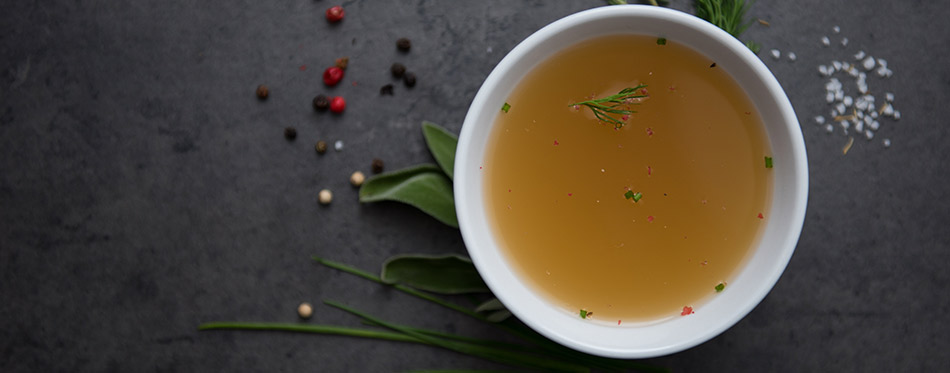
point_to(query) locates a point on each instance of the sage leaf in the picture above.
(442, 144)
(447, 274)
(490, 305)
(424, 187)
(499, 316)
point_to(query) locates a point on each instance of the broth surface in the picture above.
(556, 179)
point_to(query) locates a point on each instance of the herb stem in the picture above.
(617, 104)
(300, 328)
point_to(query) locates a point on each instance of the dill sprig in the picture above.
(728, 15)
(618, 104)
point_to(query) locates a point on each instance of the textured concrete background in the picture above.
(144, 189)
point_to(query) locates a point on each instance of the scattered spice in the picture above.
(325, 197)
(764, 22)
(409, 79)
(397, 69)
(342, 62)
(649, 171)
(403, 44)
(505, 107)
(661, 41)
(847, 146)
(761, 216)
(305, 310)
(357, 178)
(687, 310)
(321, 103)
(650, 218)
(720, 287)
(262, 92)
(332, 76)
(377, 165)
(618, 322)
(768, 162)
(290, 133)
(712, 65)
(337, 104)
(335, 14)
(649, 131)
(386, 90)
(556, 143)
(321, 147)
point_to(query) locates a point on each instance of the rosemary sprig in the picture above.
(618, 104)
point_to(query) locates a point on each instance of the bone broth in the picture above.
(634, 222)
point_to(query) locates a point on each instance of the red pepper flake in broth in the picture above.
(649, 131)
(618, 322)
(649, 171)
(556, 143)
(570, 194)
(760, 216)
(687, 310)
(650, 218)
(748, 113)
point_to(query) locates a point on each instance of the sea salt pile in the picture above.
(854, 106)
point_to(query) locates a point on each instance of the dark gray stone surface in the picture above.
(144, 189)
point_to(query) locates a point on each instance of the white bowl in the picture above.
(760, 271)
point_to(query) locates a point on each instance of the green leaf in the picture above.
(442, 144)
(490, 305)
(424, 187)
(448, 274)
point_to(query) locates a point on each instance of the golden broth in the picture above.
(556, 179)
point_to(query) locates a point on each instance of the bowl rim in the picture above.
(485, 254)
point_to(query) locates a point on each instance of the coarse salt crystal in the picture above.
(859, 55)
(859, 126)
(868, 63)
(844, 124)
(840, 107)
(823, 70)
(338, 145)
(792, 56)
(869, 134)
(888, 110)
(825, 41)
(847, 101)
(889, 96)
(844, 42)
(897, 115)
(881, 62)
(776, 54)
(830, 97)
(873, 114)
(839, 95)
(829, 128)
(887, 143)
(875, 125)
(837, 65)
(820, 120)
(836, 29)
(867, 119)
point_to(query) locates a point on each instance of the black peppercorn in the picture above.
(398, 70)
(403, 44)
(262, 92)
(290, 133)
(321, 103)
(377, 165)
(386, 90)
(409, 79)
(321, 147)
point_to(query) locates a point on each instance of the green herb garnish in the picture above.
(661, 41)
(768, 162)
(617, 104)
(584, 313)
(634, 196)
(505, 107)
(728, 15)
(720, 287)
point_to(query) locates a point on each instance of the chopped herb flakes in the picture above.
(661, 41)
(505, 107)
(634, 196)
(720, 287)
(768, 162)
(585, 315)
